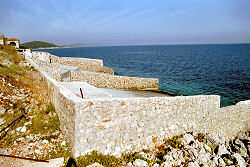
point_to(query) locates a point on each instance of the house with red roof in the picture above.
(9, 41)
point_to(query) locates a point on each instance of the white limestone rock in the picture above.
(166, 164)
(45, 142)
(27, 123)
(2, 110)
(207, 148)
(38, 152)
(240, 160)
(221, 162)
(193, 164)
(140, 163)
(18, 129)
(215, 160)
(192, 152)
(95, 165)
(144, 155)
(156, 165)
(129, 164)
(23, 129)
(242, 149)
(2, 121)
(188, 138)
(222, 150)
(63, 143)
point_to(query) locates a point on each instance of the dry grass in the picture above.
(17, 77)
(21, 75)
(10, 53)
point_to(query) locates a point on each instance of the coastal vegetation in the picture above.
(37, 44)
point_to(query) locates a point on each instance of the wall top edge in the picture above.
(154, 98)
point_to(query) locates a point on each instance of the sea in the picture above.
(209, 69)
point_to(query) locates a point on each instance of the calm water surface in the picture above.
(182, 69)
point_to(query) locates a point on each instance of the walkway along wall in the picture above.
(113, 126)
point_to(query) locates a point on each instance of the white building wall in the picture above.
(17, 43)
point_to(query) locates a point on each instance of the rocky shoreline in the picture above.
(191, 150)
(202, 150)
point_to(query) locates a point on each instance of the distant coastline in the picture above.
(58, 47)
(106, 45)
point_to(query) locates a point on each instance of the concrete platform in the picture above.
(118, 93)
(88, 91)
(91, 92)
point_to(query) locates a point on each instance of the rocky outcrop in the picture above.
(198, 150)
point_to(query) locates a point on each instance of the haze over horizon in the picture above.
(131, 22)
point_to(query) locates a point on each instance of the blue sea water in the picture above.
(182, 69)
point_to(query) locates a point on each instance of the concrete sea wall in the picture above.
(116, 125)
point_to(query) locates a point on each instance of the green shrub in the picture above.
(94, 156)
(174, 142)
(11, 71)
(45, 120)
(131, 157)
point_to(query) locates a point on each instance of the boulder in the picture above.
(140, 163)
(240, 160)
(221, 149)
(221, 162)
(187, 138)
(2, 110)
(193, 164)
(95, 165)
(242, 149)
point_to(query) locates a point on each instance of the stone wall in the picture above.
(120, 125)
(112, 81)
(232, 119)
(93, 65)
(73, 61)
(64, 102)
(113, 125)
(84, 64)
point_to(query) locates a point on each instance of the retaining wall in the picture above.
(85, 64)
(64, 102)
(113, 126)
(112, 81)
(121, 125)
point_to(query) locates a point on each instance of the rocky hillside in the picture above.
(29, 126)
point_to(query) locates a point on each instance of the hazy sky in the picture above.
(115, 22)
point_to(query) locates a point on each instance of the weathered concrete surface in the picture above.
(88, 91)
(120, 93)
